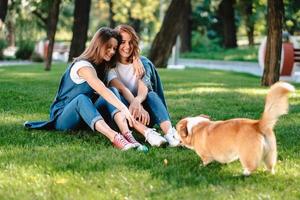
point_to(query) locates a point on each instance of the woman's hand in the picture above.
(128, 116)
(138, 112)
(139, 69)
(145, 117)
(135, 108)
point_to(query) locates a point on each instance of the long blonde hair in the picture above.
(134, 39)
(99, 40)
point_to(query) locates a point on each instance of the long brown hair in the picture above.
(92, 52)
(134, 39)
(99, 41)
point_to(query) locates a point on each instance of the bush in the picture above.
(201, 43)
(25, 50)
(35, 57)
(3, 45)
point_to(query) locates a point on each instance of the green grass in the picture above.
(84, 165)
(249, 54)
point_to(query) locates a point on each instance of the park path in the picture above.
(235, 66)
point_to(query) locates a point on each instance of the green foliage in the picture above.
(215, 52)
(84, 165)
(205, 20)
(203, 43)
(35, 57)
(25, 49)
(292, 16)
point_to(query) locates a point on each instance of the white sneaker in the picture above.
(172, 138)
(154, 138)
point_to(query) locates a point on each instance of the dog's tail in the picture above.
(276, 105)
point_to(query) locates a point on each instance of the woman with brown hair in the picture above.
(73, 105)
(143, 95)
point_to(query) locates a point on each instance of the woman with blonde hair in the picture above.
(141, 92)
(73, 105)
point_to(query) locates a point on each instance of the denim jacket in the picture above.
(152, 79)
(67, 91)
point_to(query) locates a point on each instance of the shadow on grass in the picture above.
(86, 153)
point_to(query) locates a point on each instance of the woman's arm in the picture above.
(135, 103)
(89, 74)
(142, 91)
(136, 107)
(138, 66)
(122, 89)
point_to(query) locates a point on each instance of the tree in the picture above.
(292, 15)
(246, 9)
(186, 31)
(274, 42)
(226, 15)
(80, 27)
(170, 29)
(112, 22)
(137, 13)
(52, 23)
(3, 11)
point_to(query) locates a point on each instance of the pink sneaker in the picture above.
(129, 137)
(121, 143)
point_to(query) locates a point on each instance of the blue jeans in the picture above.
(153, 105)
(81, 109)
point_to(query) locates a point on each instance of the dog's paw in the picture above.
(246, 172)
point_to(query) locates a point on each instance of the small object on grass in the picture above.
(165, 161)
(143, 148)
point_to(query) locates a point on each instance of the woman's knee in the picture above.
(152, 96)
(82, 99)
(114, 90)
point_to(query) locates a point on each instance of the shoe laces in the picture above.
(130, 137)
(120, 140)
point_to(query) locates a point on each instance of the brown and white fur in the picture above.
(248, 140)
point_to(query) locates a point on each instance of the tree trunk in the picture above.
(3, 11)
(52, 23)
(186, 31)
(249, 22)
(165, 39)
(80, 27)
(274, 43)
(226, 14)
(112, 23)
(11, 32)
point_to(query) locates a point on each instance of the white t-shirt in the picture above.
(74, 71)
(125, 73)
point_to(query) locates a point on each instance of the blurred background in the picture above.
(210, 29)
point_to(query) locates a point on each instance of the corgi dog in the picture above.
(250, 141)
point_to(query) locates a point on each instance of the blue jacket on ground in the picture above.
(152, 79)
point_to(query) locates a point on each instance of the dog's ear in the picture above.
(182, 128)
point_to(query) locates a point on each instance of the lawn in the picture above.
(249, 54)
(84, 165)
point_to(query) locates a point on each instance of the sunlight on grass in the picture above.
(25, 74)
(196, 90)
(32, 182)
(39, 164)
(6, 118)
(251, 91)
